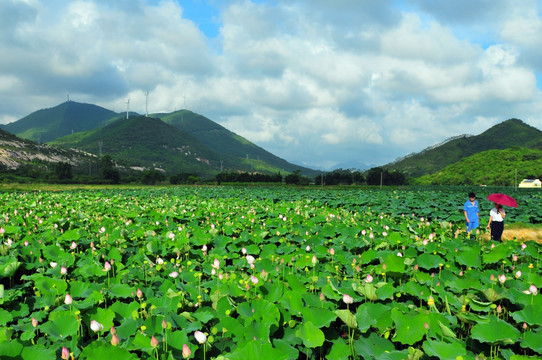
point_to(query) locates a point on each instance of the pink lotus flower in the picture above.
(107, 266)
(154, 342)
(308, 248)
(322, 296)
(34, 322)
(73, 246)
(216, 264)
(186, 351)
(518, 274)
(314, 260)
(502, 278)
(514, 258)
(347, 299)
(68, 299)
(173, 274)
(139, 293)
(369, 278)
(63, 270)
(332, 251)
(200, 337)
(523, 246)
(250, 259)
(53, 264)
(254, 279)
(243, 251)
(65, 353)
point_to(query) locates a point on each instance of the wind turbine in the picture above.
(147, 104)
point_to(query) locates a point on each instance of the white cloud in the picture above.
(315, 82)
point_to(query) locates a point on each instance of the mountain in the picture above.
(16, 152)
(145, 143)
(491, 167)
(224, 141)
(69, 117)
(507, 134)
(150, 143)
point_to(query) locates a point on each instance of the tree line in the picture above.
(105, 171)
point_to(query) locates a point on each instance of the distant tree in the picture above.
(151, 177)
(295, 178)
(375, 175)
(108, 171)
(63, 170)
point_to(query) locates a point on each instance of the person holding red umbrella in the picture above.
(497, 214)
(496, 221)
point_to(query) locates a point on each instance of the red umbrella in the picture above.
(503, 199)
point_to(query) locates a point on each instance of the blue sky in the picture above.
(319, 83)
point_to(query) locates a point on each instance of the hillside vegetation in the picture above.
(508, 134)
(69, 117)
(492, 167)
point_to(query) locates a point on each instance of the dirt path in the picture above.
(519, 234)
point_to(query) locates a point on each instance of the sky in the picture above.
(319, 83)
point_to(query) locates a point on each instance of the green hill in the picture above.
(509, 133)
(79, 125)
(492, 167)
(224, 141)
(69, 117)
(147, 142)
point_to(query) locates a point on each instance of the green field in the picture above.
(263, 273)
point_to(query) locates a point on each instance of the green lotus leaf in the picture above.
(38, 352)
(469, 256)
(121, 291)
(176, 339)
(370, 314)
(5, 317)
(233, 327)
(444, 350)
(533, 341)
(97, 351)
(495, 331)
(10, 349)
(429, 261)
(8, 266)
(347, 317)
(257, 350)
(373, 346)
(531, 315)
(310, 334)
(318, 316)
(496, 254)
(410, 328)
(394, 264)
(340, 350)
(61, 324)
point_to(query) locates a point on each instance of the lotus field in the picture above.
(279, 273)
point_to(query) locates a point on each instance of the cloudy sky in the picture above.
(319, 83)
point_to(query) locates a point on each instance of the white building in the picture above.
(530, 183)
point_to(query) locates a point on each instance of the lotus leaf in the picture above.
(444, 350)
(531, 315)
(409, 328)
(532, 340)
(310, 334)
(495, 331)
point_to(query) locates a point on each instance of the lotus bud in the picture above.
(139, 293)
(114, 340)
(154, 341)
(96, 326)
(347, 299)
(186, 351)
(68, 299)
(34, 322)
(63, 270)
(200, 337)
(65, 353)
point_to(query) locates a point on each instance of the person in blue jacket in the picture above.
(471, 211)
